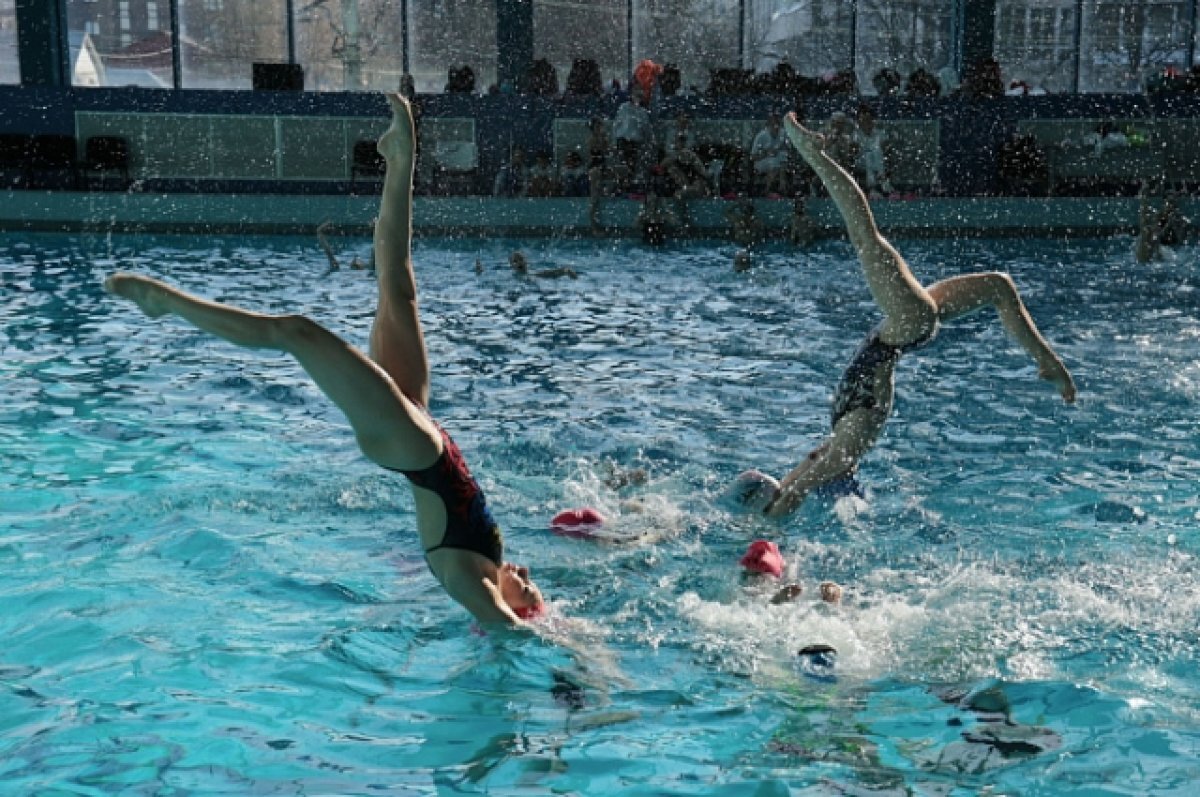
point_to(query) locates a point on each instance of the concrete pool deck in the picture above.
(69, 211)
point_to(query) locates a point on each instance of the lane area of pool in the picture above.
(208, 590)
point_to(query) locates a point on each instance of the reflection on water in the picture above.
(208, 590)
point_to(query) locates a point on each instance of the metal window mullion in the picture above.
(176, 46)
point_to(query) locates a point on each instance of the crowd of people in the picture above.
(647, 145)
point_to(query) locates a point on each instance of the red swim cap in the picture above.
(578, 522)
(763, 557)
(530, 612)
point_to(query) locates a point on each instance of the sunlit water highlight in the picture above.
(207, 590)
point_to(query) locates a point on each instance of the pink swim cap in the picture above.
(578, 522)
(763, 557)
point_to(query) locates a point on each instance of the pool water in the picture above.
(208, 590)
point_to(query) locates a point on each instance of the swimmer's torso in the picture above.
(452, 511)
(868, 383)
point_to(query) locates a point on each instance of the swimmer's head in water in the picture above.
(519, 591)
(518, 262)
(742, 261)
(763, 557)
(751, 491)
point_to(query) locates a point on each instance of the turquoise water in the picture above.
(207, 590)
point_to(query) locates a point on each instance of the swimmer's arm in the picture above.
(482, 599)
(324, 243)
(1147, 240)
(552, 273)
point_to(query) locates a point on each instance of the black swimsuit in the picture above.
(856, 391)
(469, 523)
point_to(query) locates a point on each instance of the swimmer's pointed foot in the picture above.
(399, 141)
(807, 142)
(146, 293)
(1058, 375)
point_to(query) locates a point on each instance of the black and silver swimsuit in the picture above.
(873, 361)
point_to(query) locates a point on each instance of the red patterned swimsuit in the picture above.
(469, 522)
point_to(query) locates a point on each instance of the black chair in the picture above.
(14, 155)
(366, 161)
(103, 154)
(53, 159)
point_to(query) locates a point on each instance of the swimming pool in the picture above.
(207, 590)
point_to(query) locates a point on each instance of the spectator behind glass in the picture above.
(542, 177)
(1021, 166)
(574, 175)
(841, 143)
(1106, 136)
(408, 87)
(460, 80)
(541, 80)
(584, 79)
(982, 80)
(872, 164)
(769, 153)
(600, 171)
(687, 176)
(512, 179)
(645, 82)
(887, 82)
(634, 135)
(921, 83)
(682, 133)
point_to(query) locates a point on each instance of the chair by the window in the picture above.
(457, 165)
(366, 161)
(103, 154)
(14, 154)
(53, 159)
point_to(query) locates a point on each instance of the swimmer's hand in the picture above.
(831, 592)
(788, 594)
(496, 610)
(149, 295)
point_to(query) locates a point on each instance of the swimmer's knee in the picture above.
(293, 332)
(1004, 288)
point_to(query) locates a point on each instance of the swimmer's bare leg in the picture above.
(958, 296)
(390, 429)
(909, 310)
(853, 436)
(397, 342)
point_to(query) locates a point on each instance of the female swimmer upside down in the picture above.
(384, 396)
(912, 313)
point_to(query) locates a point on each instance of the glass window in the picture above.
(567, 30)
(10, 59)
(114, 44)
(219, 47)
(1123, 44)
(350, 45)
(814, 36)
(694, 35)
(903, 36)
(1035, 43)
(450, 35)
